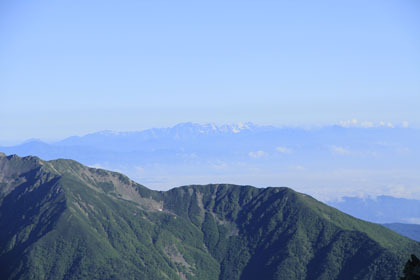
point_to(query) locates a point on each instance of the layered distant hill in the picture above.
(409, 230)
(62, 220)
(398, 214)
(327, 162)
(381, 209)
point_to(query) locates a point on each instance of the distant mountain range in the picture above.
(409, 230)
(327, 162)
(382, 209)
(62, 220)
(398, 214)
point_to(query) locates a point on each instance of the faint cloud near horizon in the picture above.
(284, 150)
(339, 150)
(97, 166)
(220, 165)
(140, 171)
(257, 154)
(371, 124)
(297, 167)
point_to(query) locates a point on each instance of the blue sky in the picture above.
(73, 67)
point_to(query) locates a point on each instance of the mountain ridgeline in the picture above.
(326, 160)
(62, 220)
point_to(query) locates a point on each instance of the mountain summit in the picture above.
(62, 220)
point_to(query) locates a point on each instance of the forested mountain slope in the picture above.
(62, 220)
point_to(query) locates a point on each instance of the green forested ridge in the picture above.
(62, 220)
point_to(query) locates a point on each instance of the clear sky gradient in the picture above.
(73, 67)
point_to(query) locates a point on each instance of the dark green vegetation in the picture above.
(412, 269)
(410, 230)
(62, 220)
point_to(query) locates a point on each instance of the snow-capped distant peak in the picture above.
(108, 132)
(211, 128)
(236, 128)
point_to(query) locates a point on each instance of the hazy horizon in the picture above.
(75, 67)
(78, 67)
(352, 123)
(348, 159)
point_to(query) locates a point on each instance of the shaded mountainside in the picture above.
(62, 220)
